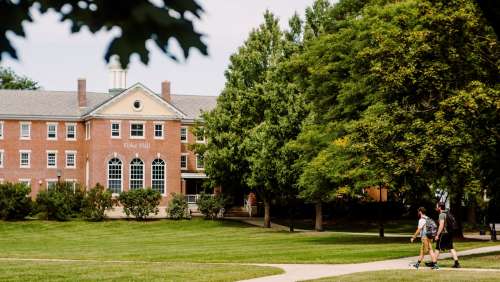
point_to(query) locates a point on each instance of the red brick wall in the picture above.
(98, 150)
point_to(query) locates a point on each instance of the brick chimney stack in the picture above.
(82, 92)
(165, 90)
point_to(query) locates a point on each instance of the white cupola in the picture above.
(117, 75)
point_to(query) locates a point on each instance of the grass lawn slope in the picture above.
(194, 241)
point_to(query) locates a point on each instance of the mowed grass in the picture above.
(416, 275)
(195, 241)
(491, 260)
(125, 271)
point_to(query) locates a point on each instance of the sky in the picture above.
(55, 58)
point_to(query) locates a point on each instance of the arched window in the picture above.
(158, 176)
(115, 175)
(136, 174)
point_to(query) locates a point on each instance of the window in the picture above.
(25, 130)
(51, 159)
(200, 135)
(136, 174)
(1, 129)
(137, 130)
(158, 176)
(71, 182)
(184, 161)
(25, 181)
(87, 130)
(158, 131)
(137, 105)
(199, 162)
(51, 131)
(70, 131)
(24, 158)
(1, 158)
(115, 129)
(115, 175)
(51, 183)
(70, 159)
(184, 136)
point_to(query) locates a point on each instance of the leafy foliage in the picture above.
(210, 205)
(138, 21)
(15, 202)
(177, 207)
(10, 80)
(95, 203)
(140, 203)
(61, 202)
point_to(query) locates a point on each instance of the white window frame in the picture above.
(119, 129)
(21, 180)
(67, 131)
(204, 138)
(197, 167)
(66, 153)
(50, 180)
(55, 158)
(21, 152)
(187, 161)
(162, 130)
(72, 181)
(164, 175)
(121, 175)
(187, 134)
(1, 129)
(21, 137)
(2, 153)
(130, 174)
(48, 126)
(87, 130)
(143, 129)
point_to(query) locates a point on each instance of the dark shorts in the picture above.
(445, 242)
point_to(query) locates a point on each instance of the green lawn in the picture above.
(491, 260)
(194, 241)
(416, 275)
(93, 271)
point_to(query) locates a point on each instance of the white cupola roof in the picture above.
(117, 75)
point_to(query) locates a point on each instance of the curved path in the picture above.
(299, 272)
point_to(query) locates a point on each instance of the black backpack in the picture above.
(451, 223)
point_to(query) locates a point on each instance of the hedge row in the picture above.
(64, 201)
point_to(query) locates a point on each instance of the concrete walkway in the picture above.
(299, 272)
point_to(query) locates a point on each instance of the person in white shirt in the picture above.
(426, 246)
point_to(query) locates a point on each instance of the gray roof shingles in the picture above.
(64, 104)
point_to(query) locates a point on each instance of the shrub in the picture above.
(95, 203)
(177, 207)
(60, 202)
(140, 203)
(15, 202)
(210, 205)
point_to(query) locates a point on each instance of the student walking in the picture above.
(426, 229)
(444, 236)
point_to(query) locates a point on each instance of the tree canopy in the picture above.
(10, 80)
(137, 20)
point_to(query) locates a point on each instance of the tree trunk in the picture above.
(471, 215)
(318, 226)
(456, 210)
(267, 214)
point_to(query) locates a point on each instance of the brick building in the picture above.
(128, 138)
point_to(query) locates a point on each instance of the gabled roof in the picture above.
(42, 104)
(146, 90)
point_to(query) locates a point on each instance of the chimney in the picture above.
(165, 90)
(82, 92)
